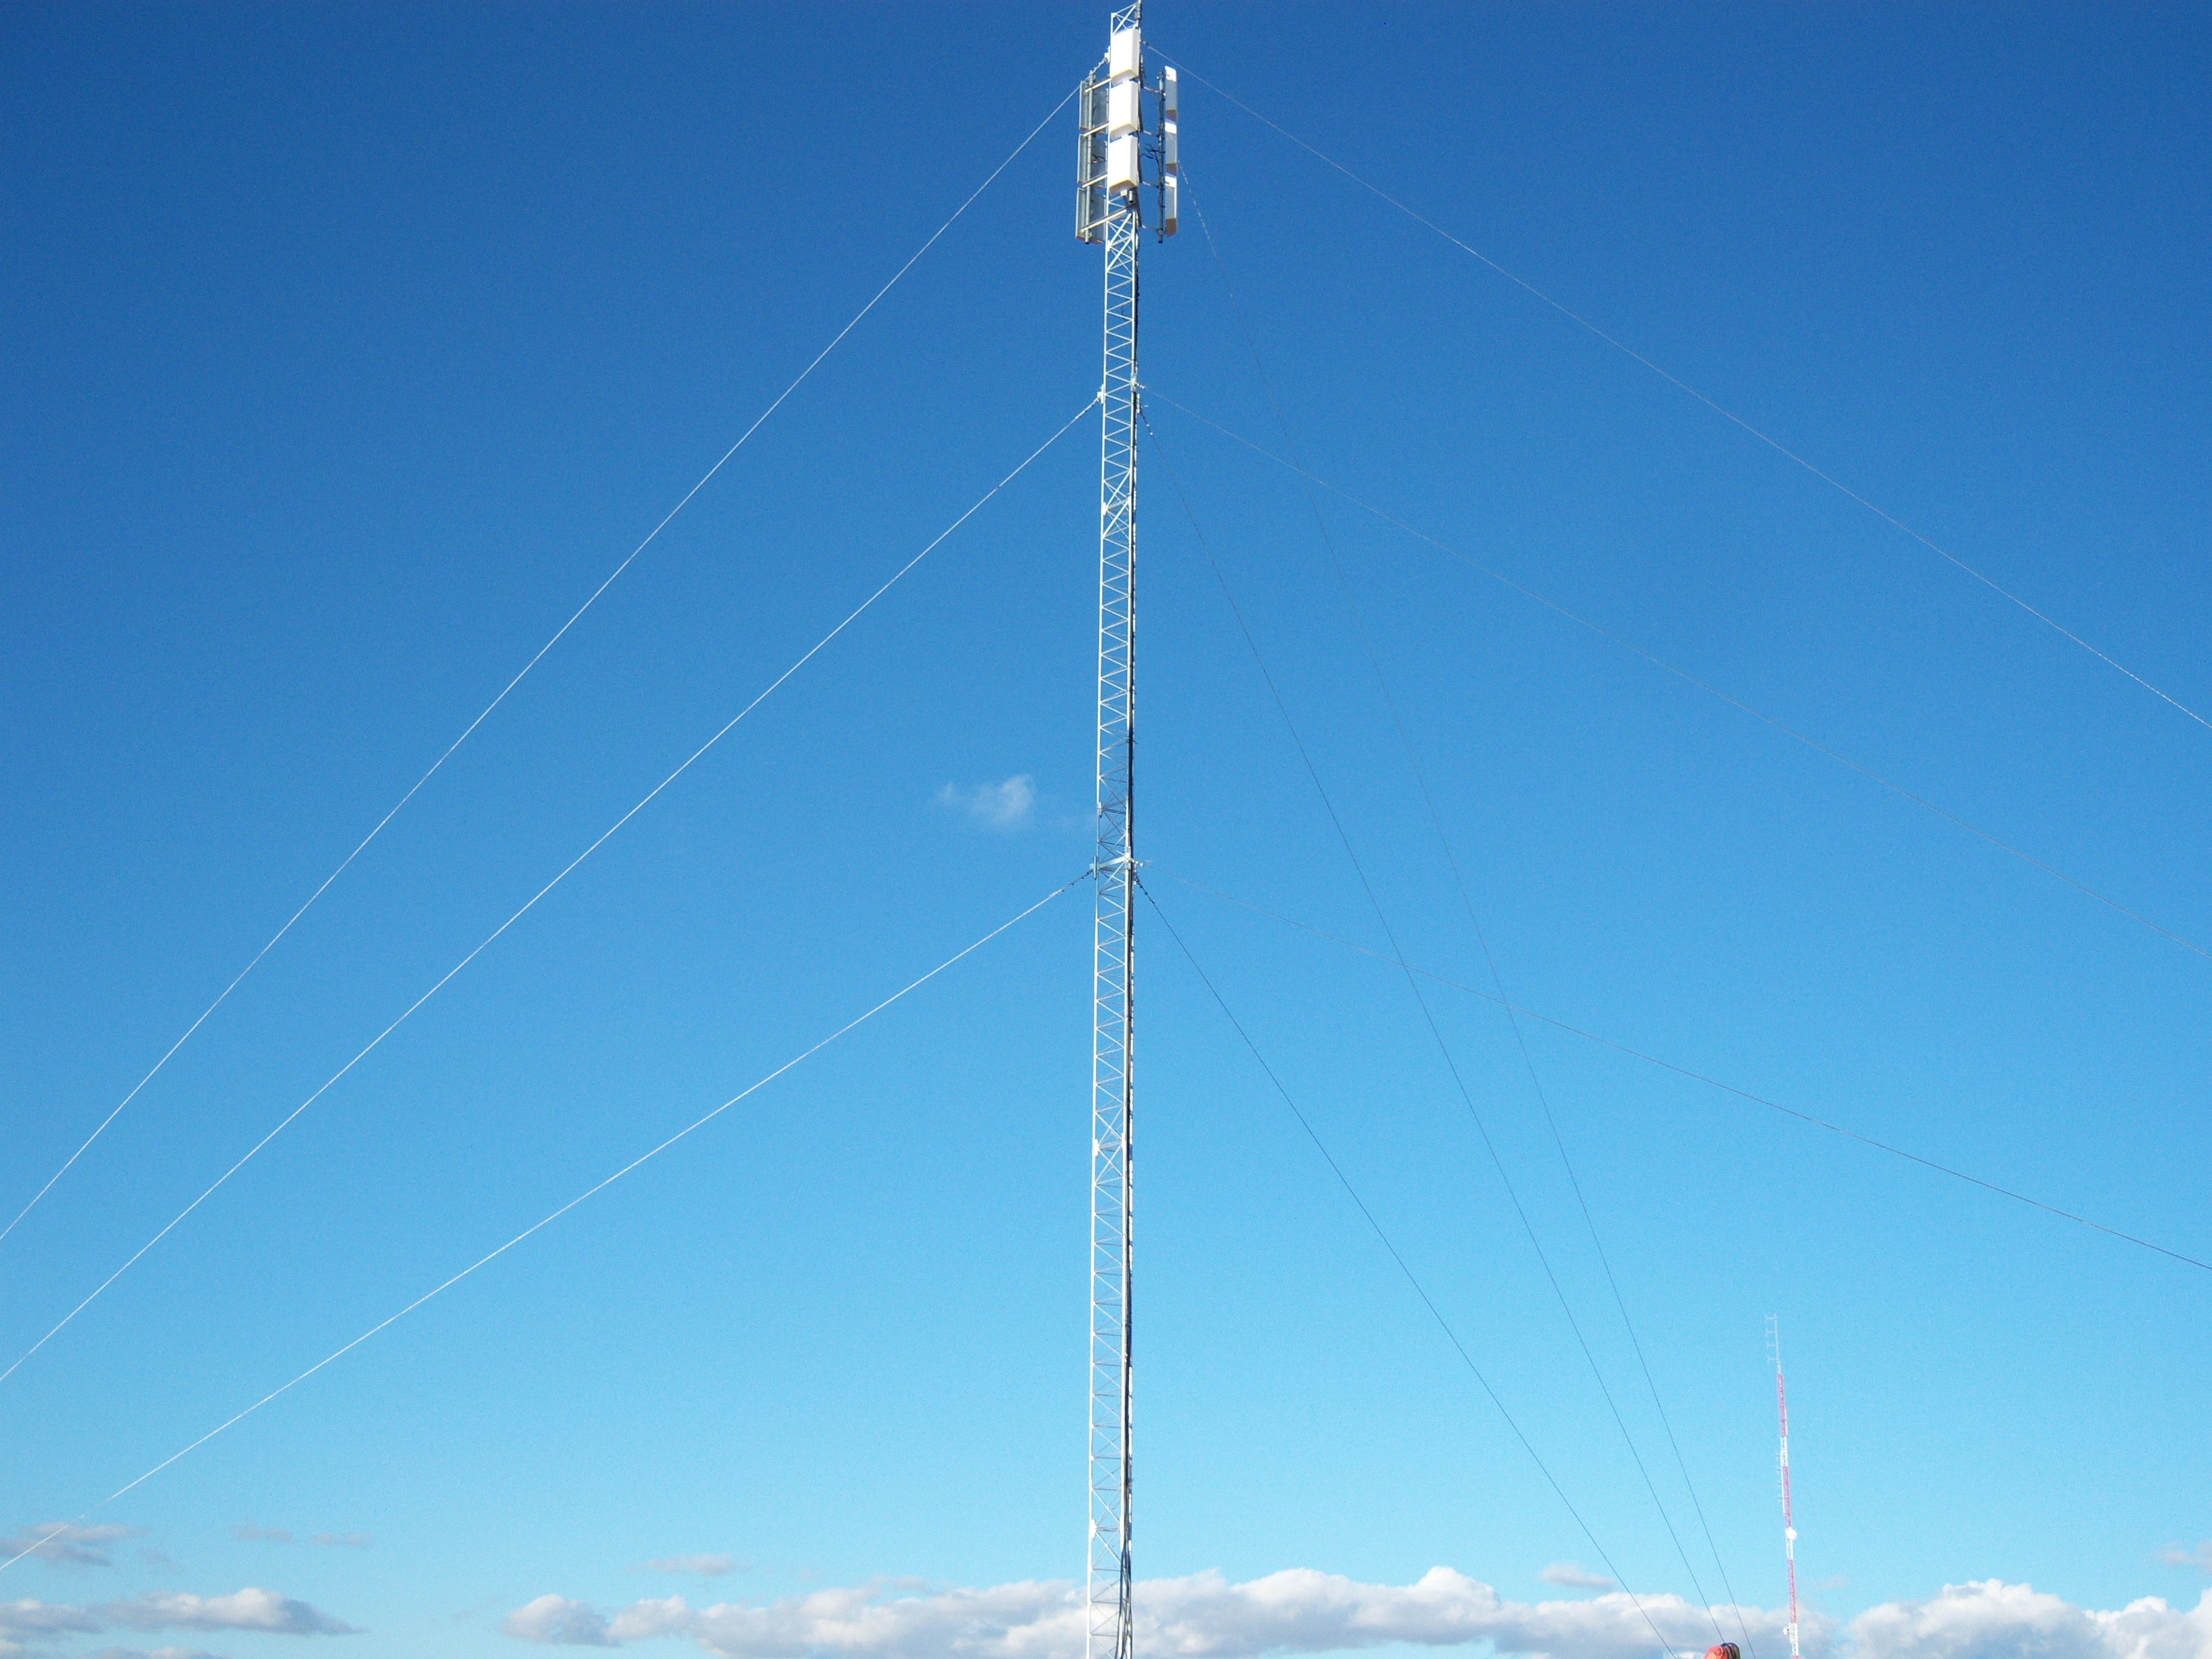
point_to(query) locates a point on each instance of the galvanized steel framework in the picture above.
(1114, 217)
(1788, 1516)
(1113, 1004)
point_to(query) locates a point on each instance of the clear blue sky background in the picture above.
(347, 348)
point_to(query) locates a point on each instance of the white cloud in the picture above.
(1201, 1617)
(557, 1619)
(707, 1566)
(40, 1622)
(2179, 1555)
(65, 1543)
(1006, 807)
(1573, 1574)
(1996, 1620)
(1205, 1616)
(23, 1624)
(246, 1533)
(352, 1540)
(250, 1608)
(641, 1619)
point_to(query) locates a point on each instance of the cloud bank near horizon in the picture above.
(1204, 1616)
(29, 1626)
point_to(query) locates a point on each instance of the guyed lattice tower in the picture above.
(1126, 156)
(1788, 1518)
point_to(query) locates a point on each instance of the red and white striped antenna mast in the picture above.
(1788, 1520)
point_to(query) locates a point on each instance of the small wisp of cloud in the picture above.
(64, 1544)
(247, 1532)
(2181, 1555)
(707, 1566)
(1005, 807)
(1573, 1574)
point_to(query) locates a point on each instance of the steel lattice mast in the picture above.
(1788, 1520)
(1119, 153)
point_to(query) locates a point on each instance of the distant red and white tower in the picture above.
(1788, 1520)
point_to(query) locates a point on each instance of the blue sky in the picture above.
(350, 348)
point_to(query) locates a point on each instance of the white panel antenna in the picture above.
(1125, 108)
(1125, 53)
(1170, 166)
(1124, 165)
